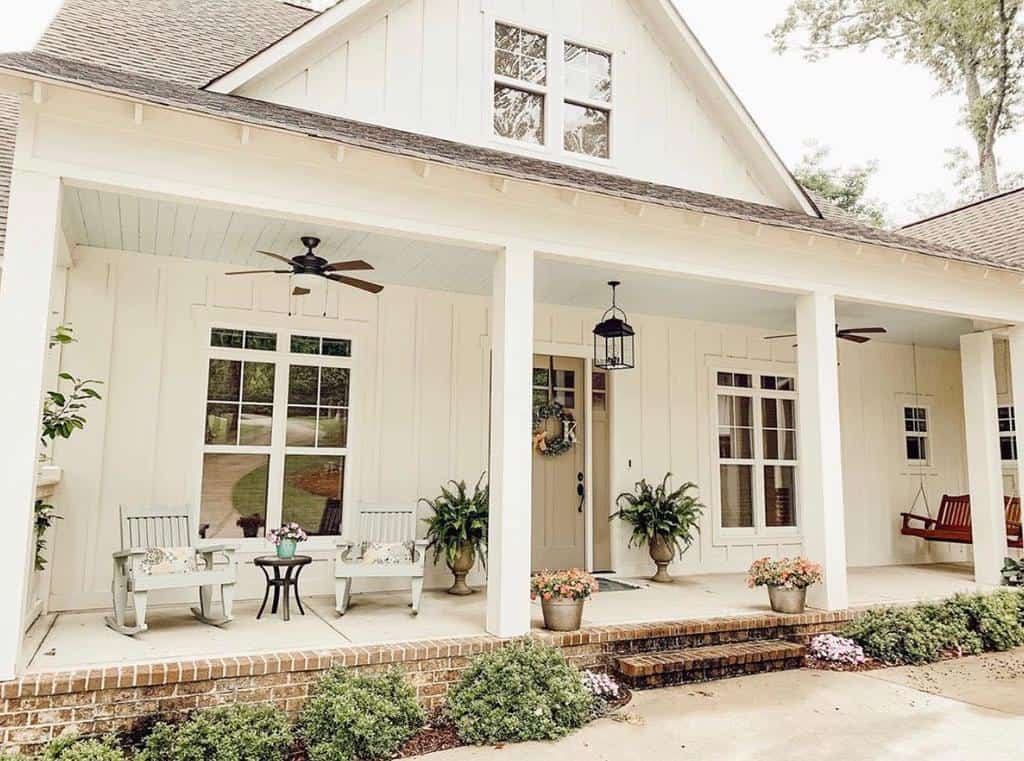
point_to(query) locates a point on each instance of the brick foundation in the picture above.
(38, 707)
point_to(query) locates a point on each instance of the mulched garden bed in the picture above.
(439, 734)
(869, 665)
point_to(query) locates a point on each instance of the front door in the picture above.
(559, 534)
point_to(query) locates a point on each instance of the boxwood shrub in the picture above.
(72, 748)
(227, 733)
(352, 716)
(524, 691)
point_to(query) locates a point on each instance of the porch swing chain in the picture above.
(922, 493)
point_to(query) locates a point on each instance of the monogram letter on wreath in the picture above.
(552, 446)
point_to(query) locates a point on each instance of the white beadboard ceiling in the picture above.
(181, 229)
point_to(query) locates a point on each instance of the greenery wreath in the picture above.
(552, 446)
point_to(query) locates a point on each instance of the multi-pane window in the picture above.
(1007, 433)
(520, 83)
(276, 434)
(915, 433)
(588, 97)
(599, 390)
(757, 457)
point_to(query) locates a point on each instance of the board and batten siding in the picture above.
(426, 66)
(420, 410)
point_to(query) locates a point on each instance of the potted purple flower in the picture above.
(250, 525)
(286, 538)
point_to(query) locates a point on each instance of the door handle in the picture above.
(580, 491)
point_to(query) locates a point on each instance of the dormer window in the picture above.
(588, 97)
(520, 83)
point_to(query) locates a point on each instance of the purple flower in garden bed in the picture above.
(829, 647)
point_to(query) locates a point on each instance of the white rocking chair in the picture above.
(146, 529)
(388, 525)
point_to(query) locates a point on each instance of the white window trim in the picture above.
(601, 105)
(1007, 434)
(493, 78)
(283, 358)
(759, 532)
(925, 464)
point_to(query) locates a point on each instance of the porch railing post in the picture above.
(819, 447)
(511, 466)
(984, 467)
(30, 256)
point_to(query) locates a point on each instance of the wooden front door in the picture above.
(559, 533)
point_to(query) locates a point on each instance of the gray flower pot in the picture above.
(463, 565)
(662, 552)
(787, 600)
(562, 615)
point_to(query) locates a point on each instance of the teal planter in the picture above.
(286, 548)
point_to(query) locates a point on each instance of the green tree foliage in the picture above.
(975, 47)
(845, 188)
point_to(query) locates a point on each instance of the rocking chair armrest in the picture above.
(907, 517)
(227, 549)
(133, 552)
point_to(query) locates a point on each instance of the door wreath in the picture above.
(552, 446)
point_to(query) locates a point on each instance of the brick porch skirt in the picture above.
(38, 707)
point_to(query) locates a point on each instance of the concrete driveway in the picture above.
(971, 708)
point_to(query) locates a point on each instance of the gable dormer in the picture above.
(621, 86)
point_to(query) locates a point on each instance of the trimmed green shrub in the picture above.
(996, 617)
(71, 748)
(525, 691)
(228, 733)
(922, 634)
(351, 716)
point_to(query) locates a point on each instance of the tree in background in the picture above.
(845, 188)
(973, 46)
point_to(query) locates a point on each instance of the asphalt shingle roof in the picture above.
(991, 227)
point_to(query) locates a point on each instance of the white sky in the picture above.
(862, 105)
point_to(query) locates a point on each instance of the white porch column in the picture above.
(1017, 387)
(28, 267)
(511, 468)
(984, 467)
(819, 448)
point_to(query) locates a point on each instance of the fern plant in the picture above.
(459, 519)
(654, 511)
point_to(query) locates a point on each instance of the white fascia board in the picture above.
(293, 42)
(667, 16)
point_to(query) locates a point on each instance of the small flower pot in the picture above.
(286, 548)
(662, 552)
(562, 615)
(785, 600)
(462, 565)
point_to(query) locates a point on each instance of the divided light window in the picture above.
(588, 98)
(915, 432)
(1007, 433)
(276, 434)
(756, 447)
(520, 83)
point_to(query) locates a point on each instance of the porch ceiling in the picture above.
(190, 230)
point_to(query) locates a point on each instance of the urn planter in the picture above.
(461, 566)
(661, 552)
(787, 600)
(562, 615)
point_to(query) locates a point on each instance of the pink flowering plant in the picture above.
(287, 531)
(788, 573)
(834, 649)
(574, 584)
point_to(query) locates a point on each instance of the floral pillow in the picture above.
(387, 553)
(164, 560)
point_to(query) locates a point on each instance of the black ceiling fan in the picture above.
(309, 265)
(856, 335)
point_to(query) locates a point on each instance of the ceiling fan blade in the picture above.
(863, 330)
(300, 291)
(356, 283)
(855, 338)
(772, 338)
(260, 272)
(276, 256)
(357, 264)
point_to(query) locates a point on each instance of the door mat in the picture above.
(612, 585)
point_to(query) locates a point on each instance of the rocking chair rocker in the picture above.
(159, 550)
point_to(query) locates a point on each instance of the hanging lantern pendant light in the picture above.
(614, 338)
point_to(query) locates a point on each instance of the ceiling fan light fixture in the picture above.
(306, 280)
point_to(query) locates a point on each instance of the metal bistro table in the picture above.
(282, 584)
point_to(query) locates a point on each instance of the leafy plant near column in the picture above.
(62, 416)
(458, 528)
(666, 521)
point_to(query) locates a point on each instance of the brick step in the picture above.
(704, 664)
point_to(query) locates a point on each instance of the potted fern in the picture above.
(458, 529)
(666, 521)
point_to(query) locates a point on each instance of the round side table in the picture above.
(282, 585)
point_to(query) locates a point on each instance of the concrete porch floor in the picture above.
(73, 640)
